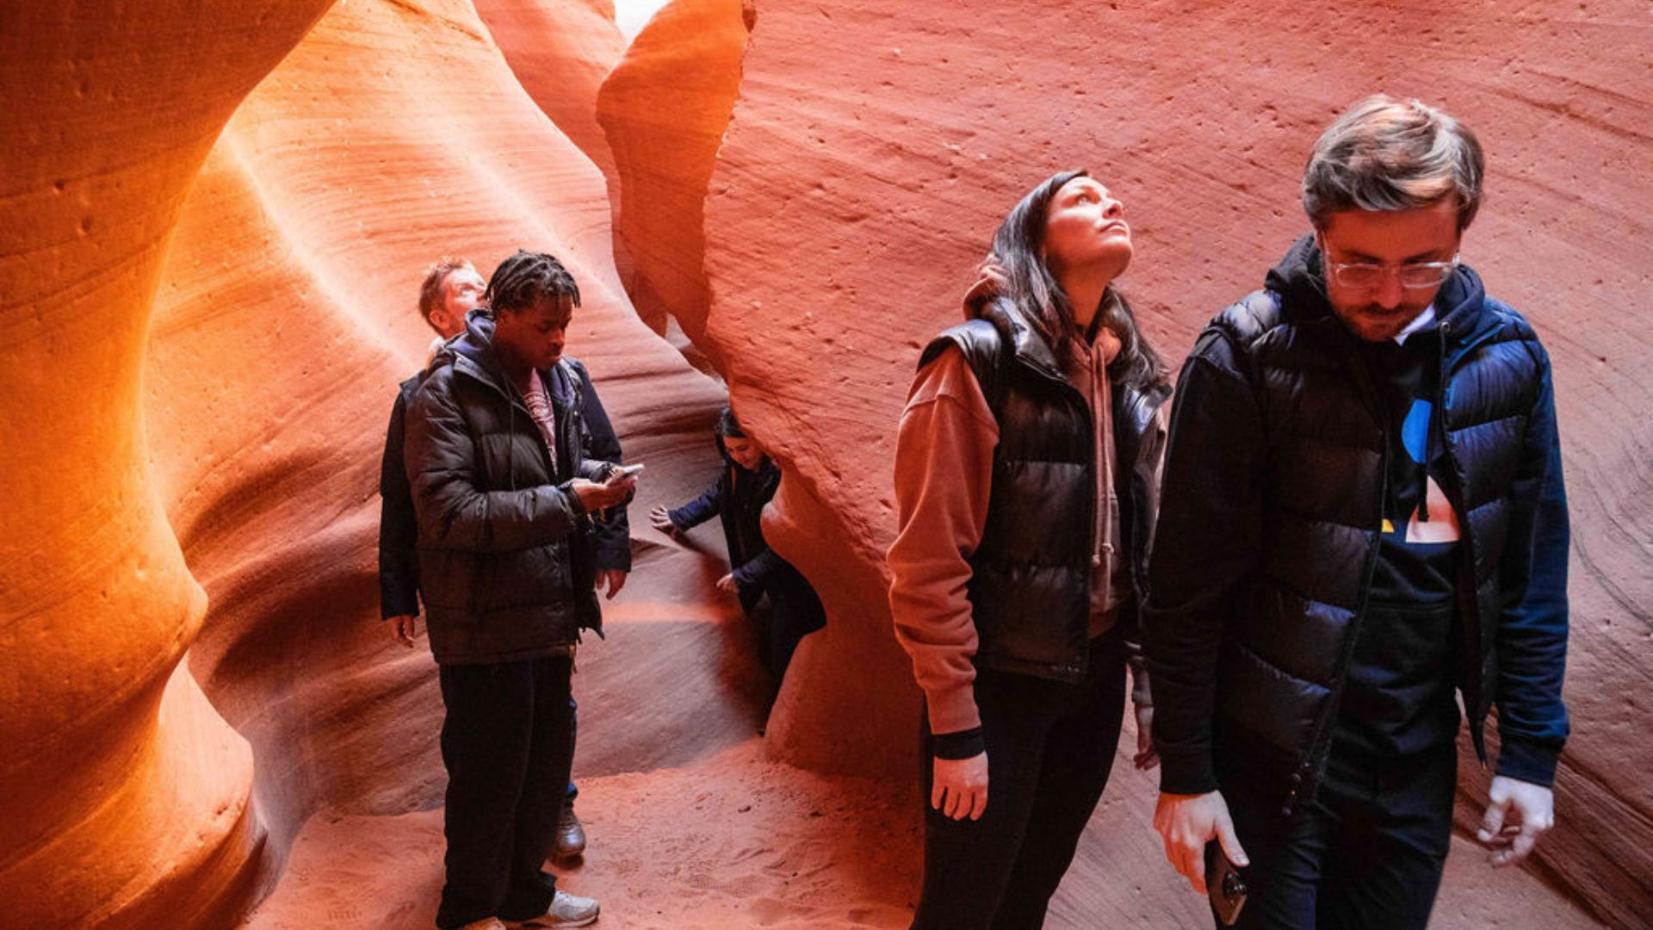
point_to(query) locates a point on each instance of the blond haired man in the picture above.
(1376, 439)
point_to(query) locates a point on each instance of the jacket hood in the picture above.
(1300, 279)
(473, 352)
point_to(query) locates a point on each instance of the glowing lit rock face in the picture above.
(386, 139)
(874, 149)
(283, 320)
(664, 109)
(871, 152)
(123, 793)
(560, 51)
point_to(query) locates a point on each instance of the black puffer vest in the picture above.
(1293, 628)
(1030, 576)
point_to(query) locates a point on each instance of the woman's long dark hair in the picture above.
(1031, 288)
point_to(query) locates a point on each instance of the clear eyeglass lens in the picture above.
(1413, 276)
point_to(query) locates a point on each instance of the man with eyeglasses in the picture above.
(1363, 514)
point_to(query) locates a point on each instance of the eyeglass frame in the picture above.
(1336, 271)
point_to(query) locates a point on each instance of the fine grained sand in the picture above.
(738, 841)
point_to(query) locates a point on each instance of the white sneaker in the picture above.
(566, 910)
(486, 923)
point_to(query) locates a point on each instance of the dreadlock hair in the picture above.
(1018, 248)
(526, 278)
(431, 289)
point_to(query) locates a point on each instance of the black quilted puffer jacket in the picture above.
(1269, 532)
(505, 558)
(1030, 577)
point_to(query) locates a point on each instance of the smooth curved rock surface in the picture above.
(390, 136)
(875, 147)
(561, 50)
(870, 155)
(664, 109)
(123, 793)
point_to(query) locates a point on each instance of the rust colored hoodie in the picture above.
(943, 475)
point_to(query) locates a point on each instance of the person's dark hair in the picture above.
(431, 292)
(1018, 249)
(527, 277)
(727, 426)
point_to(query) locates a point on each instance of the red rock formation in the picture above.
(873, 150)
(664, 109)
(875, 147)
(123, 793)
(561, 51)
(391, 136)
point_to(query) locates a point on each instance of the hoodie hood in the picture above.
(1300, 280)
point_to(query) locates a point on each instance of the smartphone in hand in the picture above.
(630, 471)
(1225, 885)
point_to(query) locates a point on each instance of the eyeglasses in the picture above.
(1412, 275)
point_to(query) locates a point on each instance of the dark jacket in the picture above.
(506, 567)
(1269, 531)
(738, 498)
(1030, 576)
(398, 529)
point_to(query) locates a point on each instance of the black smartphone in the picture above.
(1225, 885)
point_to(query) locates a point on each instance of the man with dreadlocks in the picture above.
(503, 495)
(450, 299)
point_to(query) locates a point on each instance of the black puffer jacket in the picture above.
(1269, 532)
(1030, 577)
(738, 498)
(505, 559)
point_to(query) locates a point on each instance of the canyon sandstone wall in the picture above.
(283, 317)
(853, 158)
(664, 109)
(392, 135)
(123, 793)
(560, 52)
(876, 144)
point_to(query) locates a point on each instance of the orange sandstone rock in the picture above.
(124, 795)
(875, 147)
(389, 137)
(664, 109)
(561, 51)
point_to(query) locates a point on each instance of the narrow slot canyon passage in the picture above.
(220, 215)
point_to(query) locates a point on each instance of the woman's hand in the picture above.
(728, 585)
(960, 787)
(661, 520)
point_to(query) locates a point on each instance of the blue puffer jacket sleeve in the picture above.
(1532, 629)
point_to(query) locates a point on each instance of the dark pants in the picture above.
(573, 732)
(1050, 746)
(507, 741)
(1367, 853)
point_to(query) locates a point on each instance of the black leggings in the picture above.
(1050, 747)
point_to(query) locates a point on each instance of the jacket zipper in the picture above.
(1083, 666)
(1315, 757)
(1469, 600)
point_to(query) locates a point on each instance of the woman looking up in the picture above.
(1026, 487)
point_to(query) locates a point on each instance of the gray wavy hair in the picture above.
(1385, 155)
